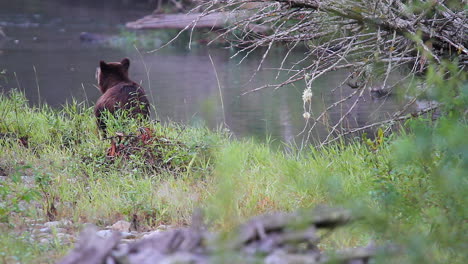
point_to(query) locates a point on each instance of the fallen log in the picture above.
(271, 239)
(91, 248)
(216, 20)
(180, 21)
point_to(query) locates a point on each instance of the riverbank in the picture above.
(56, 167)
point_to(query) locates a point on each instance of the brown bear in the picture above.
(119, 92)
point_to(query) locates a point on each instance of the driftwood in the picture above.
(180, 21)
(272, 239)
(215, 20)
(91, 248)
(2, 34)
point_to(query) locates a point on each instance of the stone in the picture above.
(45, 230)
(29, 181)
(105, 233)
(121, 226)
(64, 238)
(50, 230)
(51, 224)
(44, 241)
(164, 227)
(59, 230)
(61, 223)
(36, 224)
(151, 234)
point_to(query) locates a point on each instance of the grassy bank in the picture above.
(395, 189)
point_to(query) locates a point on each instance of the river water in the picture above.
(44, 57)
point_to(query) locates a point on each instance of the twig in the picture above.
(381, 123)
(219, 89)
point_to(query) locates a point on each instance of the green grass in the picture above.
(231, 180)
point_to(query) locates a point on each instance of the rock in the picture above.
(95, 38)
(105, 233)
(43, 235)
(45, 230)
(64, 238)
(29, 181)
(53, 223)
(36, 231)
(378, 93)
(51, 230)
(62, 223)
(59, 230)
(152, 234)
(34, 221)
(62, 235)
(164, 227)
(121, 226)
(44, 241)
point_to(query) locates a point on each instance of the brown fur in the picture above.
(119, 92)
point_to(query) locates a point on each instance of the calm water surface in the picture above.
(44, 57)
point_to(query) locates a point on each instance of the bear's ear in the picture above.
(125, 63)
(103, 65)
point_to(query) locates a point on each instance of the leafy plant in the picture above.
(423, 198)
(377, 142)
(15, 195)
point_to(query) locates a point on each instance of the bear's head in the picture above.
(112, 73)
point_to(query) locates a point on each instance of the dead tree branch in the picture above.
(271, 238)
(372, 39)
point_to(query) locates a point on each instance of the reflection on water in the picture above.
(181, 83)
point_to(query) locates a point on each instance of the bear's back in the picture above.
(128, 96)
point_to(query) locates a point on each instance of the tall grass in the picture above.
(230, 179)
